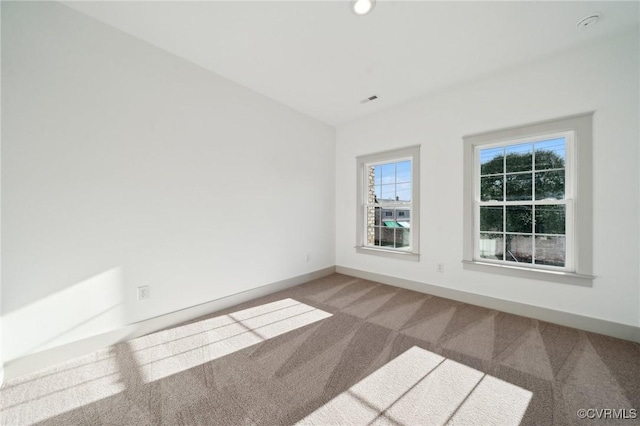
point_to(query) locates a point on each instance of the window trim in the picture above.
(581, 198)
(412, 153)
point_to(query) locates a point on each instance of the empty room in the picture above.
(344, 212)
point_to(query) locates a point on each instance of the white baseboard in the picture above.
(595, 325)
(37, 361)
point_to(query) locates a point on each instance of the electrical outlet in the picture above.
(441, 267)
(143, 292)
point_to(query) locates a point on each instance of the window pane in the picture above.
(491, 218)
(550, 250)
(403, 191)
(377, 236)
(370, 195)
(519, 249)
(403, 218)
(550, 219)
(519, 187)
(491, 188)
(403, 171)
(403, 238)
(550, 185)
(388, 173)
(386, 236)
(550, 154)
(519, 158)
(377, 170)
(491, 246)
(388, 192)
(371, 222)
(378, 192)
(491, 161)
(519, 219)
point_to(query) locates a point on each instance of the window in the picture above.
(388, 208)
(523, 209)
(524, 191)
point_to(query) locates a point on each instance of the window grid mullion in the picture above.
(504, 207)
(533, 207)
(557, 169)
(549, 202)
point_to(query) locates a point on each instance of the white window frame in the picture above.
(577, 131)
(569, 169)
(411, 153)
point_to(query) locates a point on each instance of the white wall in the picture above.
(600, 77)
(124, 165)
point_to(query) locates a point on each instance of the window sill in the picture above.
(397, 254)
(530, 273)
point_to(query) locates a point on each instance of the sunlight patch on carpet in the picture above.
(111, 372)
(63, 388)
(420, 387)
(178, 349)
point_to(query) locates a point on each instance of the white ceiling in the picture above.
(321, 59)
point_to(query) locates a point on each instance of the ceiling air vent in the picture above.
(369, 99)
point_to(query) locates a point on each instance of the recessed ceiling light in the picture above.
(588, 20)
(362, 7)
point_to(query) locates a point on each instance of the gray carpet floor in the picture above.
(340, 350)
